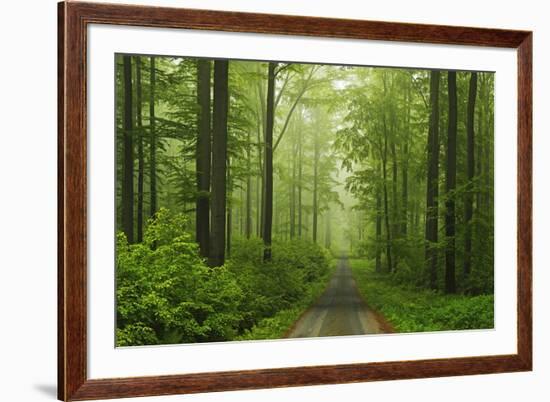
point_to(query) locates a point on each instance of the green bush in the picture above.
(167, 294)
(412, 309)
(271, 288)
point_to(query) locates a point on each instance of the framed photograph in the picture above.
(252, 201)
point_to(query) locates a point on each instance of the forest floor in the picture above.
(340, 310)
(411, 309)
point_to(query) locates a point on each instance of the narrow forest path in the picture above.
(339, 311)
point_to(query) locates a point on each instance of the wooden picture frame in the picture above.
(73, 382)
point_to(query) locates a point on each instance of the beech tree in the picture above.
(203, 160)
(450, 186)
(432, 182)
(470, 147)
(345, 157)
(219, 163)
(128, 163)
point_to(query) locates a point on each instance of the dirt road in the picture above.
(339, 311)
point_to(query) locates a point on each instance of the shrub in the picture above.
(279, 285)
(413, 309)
(167, 294)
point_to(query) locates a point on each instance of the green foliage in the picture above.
(166, 293)
(411, 309)
(278, 325)
(349, 171)
(282, 284)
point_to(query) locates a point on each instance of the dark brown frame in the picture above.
(74, 18)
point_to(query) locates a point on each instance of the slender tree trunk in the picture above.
(385, 188)
(219, 163)
(260, 176)
(432, 192)
(276, 218)
(261, 152)
(139, 121)
(128, 164)
(386, 207)
(481, 130)
(450, 182)
(378, 227)
(268, 162)
(405, 165)
(248, 222)
(300, 172)
(306, 224)
(293, 192)
(203, 161)
(258, 207)
(417, 218)
(229, 225)
(315, 185)
(470, 168)
(153, 141)
(488, 161)
(328, 237)
(395, 209)
(242, 210)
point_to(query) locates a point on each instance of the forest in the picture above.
(246, 190)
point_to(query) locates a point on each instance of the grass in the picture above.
(277, 327)
(411, 309)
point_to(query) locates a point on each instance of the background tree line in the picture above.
(419, 147)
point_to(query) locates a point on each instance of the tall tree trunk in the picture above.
(432, 186)
(481, 130)
(378, 266)
(276, 228)
(260, 177)
(128, 164)
(386, 206)
(306, 223)
(385, 188)
(450, 182)
(395, 208)
(470, 168)
(261, 152)
(405, 164)
(293, 192)
(268, 162)
(219, 163)
(248, 222)
(300, 173)
(229, 226)
(139, 121)
(203, 161)
(153, 141)
(315, 185)
(241, 209)
(258, 206)
(328, 237)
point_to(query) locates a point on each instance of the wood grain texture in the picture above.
(73, 383)
(60, 201)
(525, 192)
(73, 200)
(298, 376)
(295, 25)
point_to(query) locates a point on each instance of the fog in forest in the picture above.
(254, 164)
